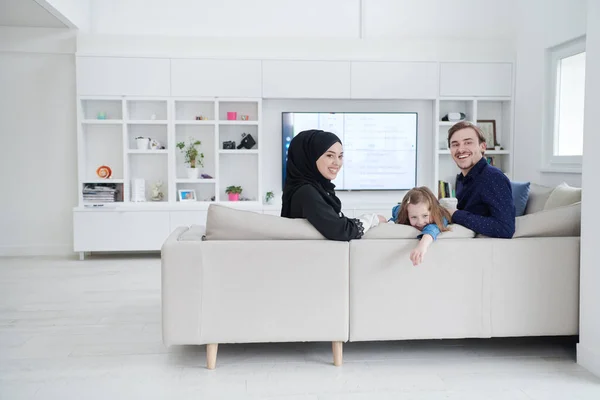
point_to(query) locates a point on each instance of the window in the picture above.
(566, 92)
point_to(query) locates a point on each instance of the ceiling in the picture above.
(27, 13)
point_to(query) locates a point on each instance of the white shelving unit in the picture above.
(499, 109)
(108, 127)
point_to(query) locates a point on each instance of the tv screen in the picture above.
(380, 149)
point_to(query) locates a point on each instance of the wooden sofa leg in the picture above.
(211, 355)
(337, 353)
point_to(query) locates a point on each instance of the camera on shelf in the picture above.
(247, 141)
(228, 144)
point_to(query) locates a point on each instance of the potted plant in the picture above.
(269, 197)
(233, 192)
(192, 157)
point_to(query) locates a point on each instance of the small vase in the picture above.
(234, 196)
(193, 173)
(142, 143)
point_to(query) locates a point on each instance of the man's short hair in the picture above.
(462, 125)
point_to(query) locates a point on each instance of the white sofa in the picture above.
(261, 278)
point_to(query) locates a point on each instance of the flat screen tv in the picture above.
(380, 149)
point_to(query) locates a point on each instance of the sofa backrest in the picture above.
(225, 223)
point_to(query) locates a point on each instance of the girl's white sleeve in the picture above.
(369, 221)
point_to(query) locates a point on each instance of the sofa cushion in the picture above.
(560, 221)
(225, 223)
(392, 231)
(195, 233)
(538, 195)
(398, 231)
(520, 192)
(563, 195)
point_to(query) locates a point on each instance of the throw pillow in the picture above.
(560, 221)
(225, 223)
(520, 192)
(538, 195)
(563, 195)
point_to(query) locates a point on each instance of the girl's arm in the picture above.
(430, 229)
(418, 253)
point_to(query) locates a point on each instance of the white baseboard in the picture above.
(589, 359)
(36, 250)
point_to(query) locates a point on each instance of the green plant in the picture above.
(269, 196)
(233, 189)
(191, 153)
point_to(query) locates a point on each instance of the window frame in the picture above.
(551, 162)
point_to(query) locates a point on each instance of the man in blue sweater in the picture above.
(485, 202)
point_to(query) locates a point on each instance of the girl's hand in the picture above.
(417, 255)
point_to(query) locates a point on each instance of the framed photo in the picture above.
(187, 195)
(488, 127)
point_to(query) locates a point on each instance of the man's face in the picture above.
(466, 149)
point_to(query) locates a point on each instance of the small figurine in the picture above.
(157, 195)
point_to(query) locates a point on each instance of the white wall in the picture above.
(38, 136)
(78, 12)
(271, 142)
(541, 24)
(588, 350)
(308, 18)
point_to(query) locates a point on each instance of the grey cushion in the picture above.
(398, 231)
(225, 223)
(561, 221)
(538, 196)
(563, 195)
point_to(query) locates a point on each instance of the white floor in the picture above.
(91, 330)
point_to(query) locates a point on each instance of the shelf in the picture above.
(147, 151)
(195, 122)
(109, 180)
(238, 151)
(451, 123)
(199, 180)
(147, 122)
(102, 121)
(236, 122)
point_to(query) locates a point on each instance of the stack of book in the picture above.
(445, 190)
(100, 193)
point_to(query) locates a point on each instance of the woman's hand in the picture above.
(382, 219)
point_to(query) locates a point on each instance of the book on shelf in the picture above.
(445, 189)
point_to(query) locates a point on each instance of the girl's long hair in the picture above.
(424, 195)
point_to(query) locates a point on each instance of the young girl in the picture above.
(421, 209)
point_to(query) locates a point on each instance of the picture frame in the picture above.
(187, 194)
(488, 127)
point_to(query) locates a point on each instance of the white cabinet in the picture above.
(476, 79)
(395, 80)
(110, 76)
(216, 78)
(306, 79)
(120, 230)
